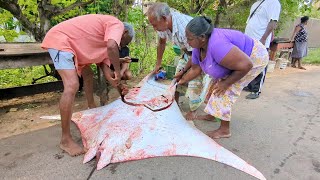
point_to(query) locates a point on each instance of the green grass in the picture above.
(313, 56)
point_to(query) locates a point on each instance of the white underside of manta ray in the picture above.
(120, 132)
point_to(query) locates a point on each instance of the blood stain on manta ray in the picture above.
(138, 110)
(137, 133)
(163, 133)
(171, 151)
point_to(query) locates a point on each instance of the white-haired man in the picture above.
(75, 44)
(171, 25)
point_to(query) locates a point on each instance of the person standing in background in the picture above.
(262, 21)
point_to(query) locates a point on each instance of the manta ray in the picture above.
(147, 123)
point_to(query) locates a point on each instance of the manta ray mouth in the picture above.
(155, 104)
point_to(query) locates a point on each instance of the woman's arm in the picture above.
(179, 75)
(238, 62)
(194, 72)
(296, 29)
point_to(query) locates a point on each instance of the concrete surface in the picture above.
(279, 134)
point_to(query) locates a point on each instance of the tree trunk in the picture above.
(44, 26)
(221, 6)
(217, 20)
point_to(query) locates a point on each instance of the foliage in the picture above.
(190, 7)
(22, 76)
(35, 16)
(144, 45)
(70, 14)
(6, 18)
(99, 7)
(289, 12)
(310, 11)
(8, 25)
(8, 34)
(29, 9)
(313, 57)
(234, 15)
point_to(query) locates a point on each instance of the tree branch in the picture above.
(58, 11)
(205, 3)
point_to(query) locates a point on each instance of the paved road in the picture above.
(278, 133)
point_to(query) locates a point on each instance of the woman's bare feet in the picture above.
(219, 133)
(294, 66)
(71, 147)
(207, 117)
(192, 115)
(302, 68)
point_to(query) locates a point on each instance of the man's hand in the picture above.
(126, 59)
(263, 41)
(123, 89)
(108, 75)
(156, 69)
(116, 80)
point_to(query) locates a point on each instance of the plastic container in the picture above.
(283, 63)
(271, 66)
(171, 70)
(177, 50)
(161, 75)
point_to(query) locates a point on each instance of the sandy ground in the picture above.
(277, 133)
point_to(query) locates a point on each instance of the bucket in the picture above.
(271, 66)
(283, 63)
(171, 70)
(177, 50)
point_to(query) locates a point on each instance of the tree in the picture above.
(7, 26)
(190, 7)
(35, 15)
